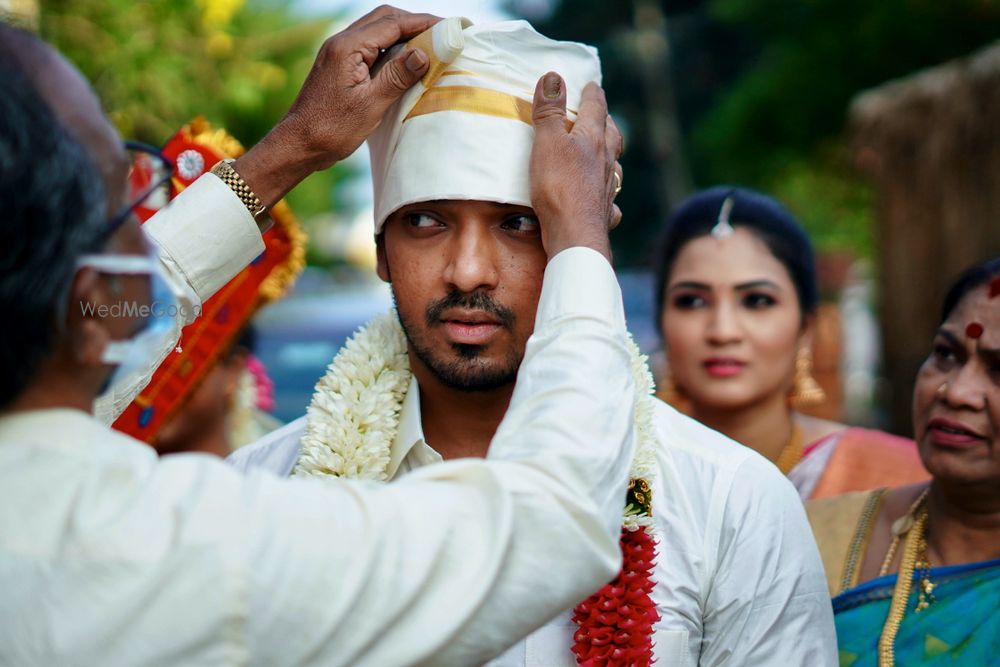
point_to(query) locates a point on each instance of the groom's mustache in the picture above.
(470, 301)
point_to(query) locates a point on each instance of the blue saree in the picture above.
(962, 626)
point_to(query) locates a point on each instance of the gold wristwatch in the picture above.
(224, 170)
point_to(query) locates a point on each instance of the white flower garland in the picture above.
(242, 428)
(354, 415)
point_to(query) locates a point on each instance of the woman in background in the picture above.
(737, 298)
(928, 555)
(227, 409)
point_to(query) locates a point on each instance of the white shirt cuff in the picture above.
(207, 234)
(580, 281)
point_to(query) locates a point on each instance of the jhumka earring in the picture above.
(667, 391)
(805, 390)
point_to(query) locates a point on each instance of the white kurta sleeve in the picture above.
(456, 561)
(204, 237)
(767, 602)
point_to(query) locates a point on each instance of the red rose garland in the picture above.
(616, 622)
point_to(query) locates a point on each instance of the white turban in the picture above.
(464, 131)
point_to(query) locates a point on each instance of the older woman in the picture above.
(918, 567)
(737, 299)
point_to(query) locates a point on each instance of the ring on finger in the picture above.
(618, 182)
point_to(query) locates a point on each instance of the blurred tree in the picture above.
(812, 57)
(761, 90)
(157, 64)
(777, 123)
(633, 41)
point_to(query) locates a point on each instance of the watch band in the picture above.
(224, 170)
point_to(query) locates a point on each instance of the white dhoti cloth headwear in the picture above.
(464, 131)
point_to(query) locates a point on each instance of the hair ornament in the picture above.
(722, 228)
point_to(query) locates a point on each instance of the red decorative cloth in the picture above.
(192, 151)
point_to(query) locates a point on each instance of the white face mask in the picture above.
(137, 357)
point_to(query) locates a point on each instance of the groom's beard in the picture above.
(466, 367)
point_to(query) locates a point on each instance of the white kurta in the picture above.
(111, 556)
(738, 578)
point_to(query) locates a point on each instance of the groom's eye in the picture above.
(421, 220)
(522, 224)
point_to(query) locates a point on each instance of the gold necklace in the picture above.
(914, 525)
(791, 453)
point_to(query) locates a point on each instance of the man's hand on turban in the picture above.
(574, 171)
(342, 100)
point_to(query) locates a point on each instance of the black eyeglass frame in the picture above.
(168, 170)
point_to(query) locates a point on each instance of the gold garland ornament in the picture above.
(914, 525)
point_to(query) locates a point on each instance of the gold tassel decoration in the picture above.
(805, 390)
(667, 391)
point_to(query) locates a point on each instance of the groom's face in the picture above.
(466, 276)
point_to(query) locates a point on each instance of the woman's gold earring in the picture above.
(668, 391)
(805, 390)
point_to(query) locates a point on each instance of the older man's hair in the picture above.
(53, 211)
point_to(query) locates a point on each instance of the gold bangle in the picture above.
(224, 170)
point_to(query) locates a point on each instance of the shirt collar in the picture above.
(411, 429)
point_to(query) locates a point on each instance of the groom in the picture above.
(720, 565)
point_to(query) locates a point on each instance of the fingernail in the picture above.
(416, 60)
(552, 86)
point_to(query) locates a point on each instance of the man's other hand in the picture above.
(574, 172)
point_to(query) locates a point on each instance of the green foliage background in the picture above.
(157, 64)
(762, 89)
(780, 124)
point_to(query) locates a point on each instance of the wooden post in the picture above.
(931, 145)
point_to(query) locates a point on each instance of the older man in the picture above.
(720, 565)
(109, 556)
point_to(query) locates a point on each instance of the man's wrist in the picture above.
(274, 166)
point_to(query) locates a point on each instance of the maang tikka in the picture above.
(722, 228)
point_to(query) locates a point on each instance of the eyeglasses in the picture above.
(148, 182)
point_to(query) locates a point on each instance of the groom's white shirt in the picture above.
(738, 578)
(111, 556)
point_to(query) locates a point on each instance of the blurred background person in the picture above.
(211, 393)
(737, 299)
(249, 415)
(916, 570)
(229, 408)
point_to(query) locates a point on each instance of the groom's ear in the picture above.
(381, 263)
